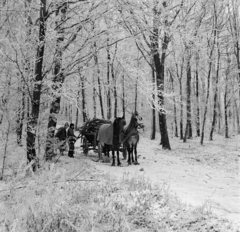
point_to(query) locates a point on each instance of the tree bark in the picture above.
(208, 85)
(84, 110)
(180, 77)
(188, 130)
(181, 109)
(98, 79)
(226, 113)
(174, 106)
(109, 103)
(58, 80)
(197, 98)
(22, 105)
(70, 113)
(215, 98)
(136, 95)
(78, 103)
(123, 95)
(153, 125)
(76, 119)
(226, 103)
(94, 98)
(160, 65)
(114, 79)
(234, 27)
(32, 123)
(21, 114)
(237, 116)
(114, 91)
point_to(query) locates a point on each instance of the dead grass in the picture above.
(58, 200)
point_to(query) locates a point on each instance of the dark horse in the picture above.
(131, 137)
(110, 137)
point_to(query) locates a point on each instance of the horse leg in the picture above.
(118, 160)
(104, 148)
(107, 150)
(129, 154)
(124, 152)
(135, 151)
(113, 157)
(132, 156)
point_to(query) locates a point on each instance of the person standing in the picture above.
(71, 140)
(61, 136)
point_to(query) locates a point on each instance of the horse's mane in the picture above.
(116, 127)
(116, 130)
(131, 124)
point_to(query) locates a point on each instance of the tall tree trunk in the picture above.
(84, 109)
(234, 24)
(180, 77)
(58, 80)
(219, 116)
(226, 113)
(76, 119)
(153, 125)
(181, 109)
(78, 102)
(21, 114)
(114, 79)
(109, 103)
(215, 98)
(32, 123)
(123, 95)
(114, 90)
(94, 98)
(160, 65)
(208, 78)
(98, 79)
(208, 90)
(136, 95)
(66, 110)
(70, 113)
(28, 103)
(197, 98)
(22, 105)
(188, 130)
(237, 116)
(174, 106)
(225, 102)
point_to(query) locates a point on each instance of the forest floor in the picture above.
(203, 176)
(200, 175)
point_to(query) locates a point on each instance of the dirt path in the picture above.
(199, 175)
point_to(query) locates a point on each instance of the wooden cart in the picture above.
(88, 133)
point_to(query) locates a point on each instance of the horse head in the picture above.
(136, 118)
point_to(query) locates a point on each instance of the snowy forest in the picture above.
(175, 62)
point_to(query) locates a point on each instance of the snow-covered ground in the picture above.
(206, 176)
(200, 175)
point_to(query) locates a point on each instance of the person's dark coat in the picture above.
(70, 134)
(61, 134)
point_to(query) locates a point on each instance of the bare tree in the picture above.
(174, 105)
(153, 121)
(211, 42)
(98, 79)
(58, 80)
(109, 102)
(33, 120)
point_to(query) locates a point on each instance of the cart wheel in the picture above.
(85, 146)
